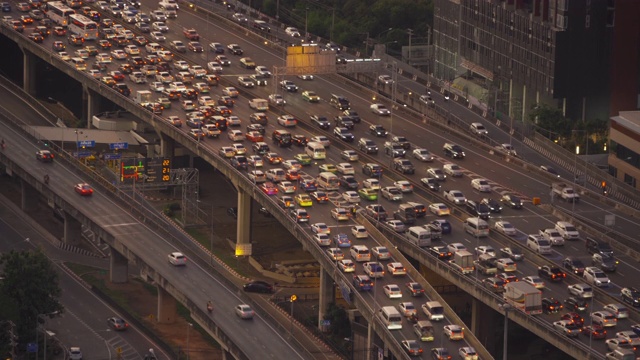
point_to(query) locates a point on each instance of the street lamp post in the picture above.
(190, 325)
(505, 336)
(306, 23)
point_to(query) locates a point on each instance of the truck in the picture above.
(463, 261)
(191, 34)
(565, 192)
(486, 264)
(259, 104)
(523, 297)
(143, 97)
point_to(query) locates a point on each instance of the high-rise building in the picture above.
(513, 54)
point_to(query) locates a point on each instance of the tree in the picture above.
(29, 288)
(551, 119)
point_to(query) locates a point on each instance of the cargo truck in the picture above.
(463, 260)
(524, 297)
(259, 104)
(486, 264)
(565, 192)
(143, 97)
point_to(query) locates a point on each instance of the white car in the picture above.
(346, 169)
(596, 277)
(373, 184)
(349, 155)
(351, 197)
(160, 26)
(75, 353)
(287, 187)
(292, 31)
(477, 128)
(468, 353)
(177, 259)
(156, 86)
(439, 209)
(455, 247)
(380, 253)
(396, 269)
(452, 170)
(506, 265)
(404, 186)
(244, 311)
(322, 140)
(287, 120)
(347, 266)
(485, 249)
(322, 239)
(132, 50)
(118, 54)
(454, 332)
(257, 176)
(505, 228)
(103, 58)
(230, 91)
(581, 290)
(380, 109)
(407, 309)
(437, 174)
(482, 185)
(422, 155)
(359, 232)
(320, 228)
(534, 281)
(392, 291)
(391, 193)
(385, 79)
(455, 196)
(255, 160)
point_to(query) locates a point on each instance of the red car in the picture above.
(254, 136)
(117, 75)
(84, 189)
(293, 175)
(269, 188)
(595, 331)
(574, 317)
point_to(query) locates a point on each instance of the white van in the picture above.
(360, 253)
(391, 317)
(476, 227)
(328, 181)
(79, 63)
(433, 310)
(316, 150)
(419, 236)
(539, 244)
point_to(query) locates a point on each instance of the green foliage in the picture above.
(340, 325)
(30, 287)
(551, 119)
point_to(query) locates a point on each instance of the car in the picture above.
(391, 193)
(596, 332)
(374, 269)
(372, 169)
(230, 91)
(551, 170)
(455, 247)
(376, 211)
(485, 249)
(362, 282)
(551, 306)
(286, 187)
(436, 173)
(349, 155)
(567, 327)
(439, 209)
(346, 266)
(340, 214)
(83, 189)
(292, 31)
(75, 353)
(617, 309)
(328, 168)
(454, 332)
(380, 109)
(177, 259)
(453, 170)
(494, 284)
(322, 239)
(552, 273)
(303, 200)
(574, 265)
(396, 269)
(573, 303)
(380, 253)
(422, 155)
(373, 184)
(604, 318)
(368, 194)
(117, 324)
(630, 335)
(631, 296)
(269, 188)
(385, 79)
(415, 289)
(343, 134)
(320, 197)
(244, 311)
(351, 197)
(335, 254)
(431, 183)
(392, 291)
(574, 318)
(286, 202)
(441, 252)
(604, 262)
(468, 353)
(403, 165)
(505, 228)
(257, 176)
(534, 281)
(378, 130)
(596, 277)
(258, 286)
(440, 354)
(310, 96)
(412, 347)
(44, 155)
(512, 201)
(619, 343)
(305, 77)
(507, 277)
(513, 253)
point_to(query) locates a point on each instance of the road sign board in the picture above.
(87, 143)
(112, 156)
(118, 146)
(82, 154)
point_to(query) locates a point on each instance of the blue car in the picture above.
(443, 224)
(308, 185)
(342, 240)
(6, 7)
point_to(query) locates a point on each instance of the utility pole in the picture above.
(410, 32)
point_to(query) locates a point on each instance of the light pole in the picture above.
(45, 335)
(505, 336)
(190, 325)
(306, 23)
(211, 237)
(410, 32)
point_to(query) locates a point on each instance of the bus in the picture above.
(59, 13)
(83, 26)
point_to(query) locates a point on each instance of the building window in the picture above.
(613, 171)
(629, 180)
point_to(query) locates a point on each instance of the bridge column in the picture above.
(93, 104)
(118, 267)
(244, 217)
(371, 334)
(29, 75)
(167, 309)
(72, 230)
(167, 146)
(30, 196)
(226, 355)
(475, 316)
(326, 295)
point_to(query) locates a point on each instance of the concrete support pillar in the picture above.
(326, 295)
(93, 105)
(86, 99)
(244, 217)
(167, 146)
(29, 72)
(475, 316)
(72, 230)
(167, 309)
(30, 196)
(226, 355)
(118, 267)
(370, 336)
